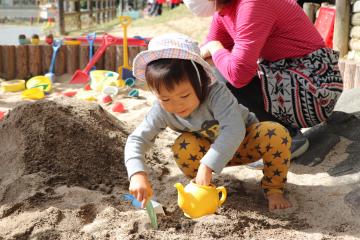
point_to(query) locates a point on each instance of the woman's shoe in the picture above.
(299, 145)
(258, 165)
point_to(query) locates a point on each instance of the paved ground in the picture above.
(9, 33)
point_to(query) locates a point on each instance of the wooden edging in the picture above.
(350, 71)
(25, 61)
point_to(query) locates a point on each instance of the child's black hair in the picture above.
(168, 72)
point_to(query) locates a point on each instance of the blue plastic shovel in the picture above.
(91, 38)
(55, 46)
(149, 209)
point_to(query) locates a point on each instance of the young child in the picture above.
(216, 130)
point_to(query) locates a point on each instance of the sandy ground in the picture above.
(32, 206)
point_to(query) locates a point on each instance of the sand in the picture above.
(62, 174)
(62, 177)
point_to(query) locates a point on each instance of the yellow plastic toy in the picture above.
(39, 82)
(13, 85)
(197, 200)
(87, 95)
(35, 39)
(33, 93)
(102, 78)
(72, 42)
(125, 70)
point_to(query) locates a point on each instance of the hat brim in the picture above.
(145, 57)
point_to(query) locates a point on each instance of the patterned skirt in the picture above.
(302, 92)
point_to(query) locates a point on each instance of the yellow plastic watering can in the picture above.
(198, 200)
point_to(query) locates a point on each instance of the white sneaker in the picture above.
(258, 165)
(299, 145)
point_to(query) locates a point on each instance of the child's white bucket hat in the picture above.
(172, 45)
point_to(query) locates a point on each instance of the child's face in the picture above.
(181, 101)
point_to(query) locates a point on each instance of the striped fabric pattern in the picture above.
(302, 92)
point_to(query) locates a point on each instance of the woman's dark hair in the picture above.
(168, 72)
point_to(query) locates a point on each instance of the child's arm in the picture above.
(142, 138)
(232, 118)
(136, 146)
(204, 175)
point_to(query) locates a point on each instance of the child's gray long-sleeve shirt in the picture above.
(219, 118)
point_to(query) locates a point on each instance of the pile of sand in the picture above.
(59, 153)
(73, 144)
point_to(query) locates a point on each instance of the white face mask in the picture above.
(201, 8)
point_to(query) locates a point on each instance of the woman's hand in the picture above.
(204, 52)
(209, 61)
(140, 187)
(210, 48)
(204, 175)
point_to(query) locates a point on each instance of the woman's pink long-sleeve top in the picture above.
(260, 29)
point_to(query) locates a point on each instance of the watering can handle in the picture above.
(222, 190)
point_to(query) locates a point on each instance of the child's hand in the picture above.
(204, 175)
(140, 187)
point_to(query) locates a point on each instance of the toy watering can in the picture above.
(198, 200)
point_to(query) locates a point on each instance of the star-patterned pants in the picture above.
(267, 140)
